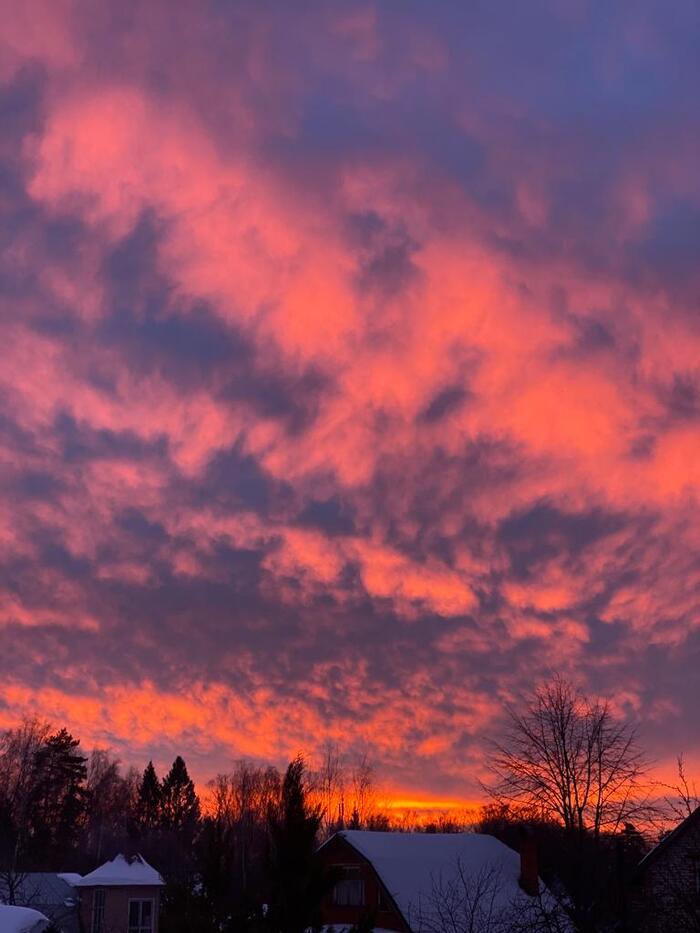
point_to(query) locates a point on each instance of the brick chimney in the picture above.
(529, 875)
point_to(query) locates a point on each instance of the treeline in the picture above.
(235, 860)
(564, 769)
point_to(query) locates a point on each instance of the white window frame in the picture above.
(141, 928)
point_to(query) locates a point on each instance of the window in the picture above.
(98, 910)
(141, 916)
(350, 890)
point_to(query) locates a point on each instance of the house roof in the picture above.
(675, 834)
(39, 888)
(121, 872)
(413, 865)
(49, 893)
(21, 920)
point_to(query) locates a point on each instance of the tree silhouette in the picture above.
(179, 804)
(298, 880)
(59, 796)
(149, 801)
(568, 759)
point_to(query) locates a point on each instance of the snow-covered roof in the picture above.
(70, 877)
(121, 872)
(414, 867)
(21, 920)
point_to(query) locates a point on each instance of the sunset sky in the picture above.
(350, 374)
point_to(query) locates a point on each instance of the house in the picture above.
(410, 882)
(21, 920)
(667, 890)
(51, 894)
(121, 896)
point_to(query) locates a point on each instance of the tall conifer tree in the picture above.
(149, 803)
(298, 880)
(59, 796)
(179, 802)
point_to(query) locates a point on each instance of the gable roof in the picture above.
(668, 840)
(410, 865)
(121, 872)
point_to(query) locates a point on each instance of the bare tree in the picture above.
(570, 760)
(684, 797)
(18, 775)
(240, 803)
(363, 791)
(476, 902)
(329, 787)
(539, 914)
(110, 802)
(463, 902)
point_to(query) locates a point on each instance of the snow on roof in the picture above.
(413, 866)
(121, 872)
(70, 877)
(21, 920)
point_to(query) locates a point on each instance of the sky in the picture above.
(350, 374)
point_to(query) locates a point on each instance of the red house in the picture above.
(402, 881)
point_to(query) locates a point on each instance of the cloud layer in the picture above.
(350, 378)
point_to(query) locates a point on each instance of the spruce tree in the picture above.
(179, 802)
(59, 796)
(298, 880)
(149, 803)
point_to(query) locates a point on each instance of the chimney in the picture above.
(529, 875)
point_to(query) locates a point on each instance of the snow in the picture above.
(120, 872)
(410, 864)
(413, 865)
(70, 877)
(21, 920)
